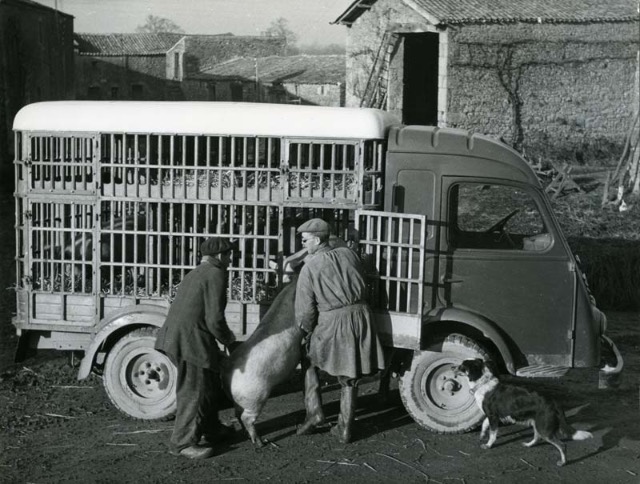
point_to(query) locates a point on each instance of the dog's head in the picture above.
(472, 369)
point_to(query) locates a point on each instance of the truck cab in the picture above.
(498, 270)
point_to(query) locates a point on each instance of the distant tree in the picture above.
(280, 28)
(156, 25)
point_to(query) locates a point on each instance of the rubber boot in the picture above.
(312, 402)
(348, 402)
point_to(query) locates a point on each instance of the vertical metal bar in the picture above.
(208, 169)
(147, 159)
(423, 235)
(160, 164)
(299, 167)
(183, 167)
(256, 164)
(412, 223)
(232, 173)
(257, 240)
(159, 261)
(269, 143)
(172, 161)
(388, 256)
(112, 276)
(333, 170)
(345, 169)
(172, 240)
(245, 146)
(123, 164)
(219, 167)
(196, 169)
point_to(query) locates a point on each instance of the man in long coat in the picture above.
(194, 323)
(330, 307)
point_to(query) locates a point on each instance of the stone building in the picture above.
(555, 79)
(155, 66)
(36, 63)
(298, 79)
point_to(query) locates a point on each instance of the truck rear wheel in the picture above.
(139, 380)
(433, 396)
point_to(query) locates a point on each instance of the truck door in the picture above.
(392, 248)
(501, 258)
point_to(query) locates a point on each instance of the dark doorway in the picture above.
(420, 96)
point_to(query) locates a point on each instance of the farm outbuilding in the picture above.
(145, 66)
(296, 79)
(555, 79)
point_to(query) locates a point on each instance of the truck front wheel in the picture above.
(139, 380)
(435, 398)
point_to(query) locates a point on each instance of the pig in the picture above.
(267, 358)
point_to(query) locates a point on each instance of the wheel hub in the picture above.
(450, 385)
(148, 377)
(444, 390)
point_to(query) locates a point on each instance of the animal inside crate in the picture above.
(251, 168)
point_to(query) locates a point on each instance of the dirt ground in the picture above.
(55, 429)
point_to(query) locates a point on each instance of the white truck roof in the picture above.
(208, 118)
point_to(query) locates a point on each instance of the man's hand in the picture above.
(232, 346)
(306, 338)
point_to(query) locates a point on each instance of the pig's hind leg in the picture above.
(248, 418)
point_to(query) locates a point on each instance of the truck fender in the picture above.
(141, 315)
(478, 322)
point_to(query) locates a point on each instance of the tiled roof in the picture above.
(450, 12)
(298, 69)
(125, 44)
(202, 51)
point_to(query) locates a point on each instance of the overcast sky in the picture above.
(309, 19)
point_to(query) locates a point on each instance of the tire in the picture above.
(139, 380)
(433, 396)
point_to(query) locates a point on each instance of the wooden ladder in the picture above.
(375, 91)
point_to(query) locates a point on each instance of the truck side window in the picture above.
(495, 217)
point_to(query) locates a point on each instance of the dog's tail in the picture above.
(567, 430)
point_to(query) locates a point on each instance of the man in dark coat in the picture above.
(194, 323)
(330, 308)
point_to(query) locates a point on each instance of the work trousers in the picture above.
(197, 392)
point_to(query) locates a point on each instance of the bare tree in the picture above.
(156, 25)
(280, 28)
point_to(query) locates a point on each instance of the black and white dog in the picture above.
(513, 404)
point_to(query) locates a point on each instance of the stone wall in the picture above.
(114, 77)
(316, 94)
(565, 92)
(559, 91)
(364, 39)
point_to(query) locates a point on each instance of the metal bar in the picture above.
(196, 170)
(220, 164)
(245, 147)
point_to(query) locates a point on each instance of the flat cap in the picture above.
(215, 245)
(315, 226)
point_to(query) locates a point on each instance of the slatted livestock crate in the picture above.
(114, 198)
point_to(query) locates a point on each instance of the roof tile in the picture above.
(299, 69)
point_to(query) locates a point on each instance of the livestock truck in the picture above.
(463, 255)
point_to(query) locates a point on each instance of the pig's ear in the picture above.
(273, 264)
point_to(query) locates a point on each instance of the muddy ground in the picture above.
(55, 429)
